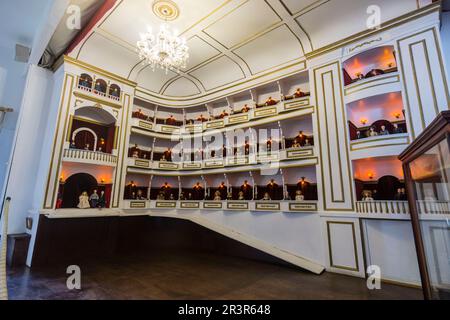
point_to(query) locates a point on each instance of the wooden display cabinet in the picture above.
(426, 163)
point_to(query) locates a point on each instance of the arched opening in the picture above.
(85, 138)
(370, 63)
(93, 126)
(114, 91)
(85, 81)
(387, 187)
(75, 186)
(100, 86)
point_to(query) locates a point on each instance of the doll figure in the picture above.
(93, 199)
(84, 201)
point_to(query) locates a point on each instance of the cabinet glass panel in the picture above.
(430, 173)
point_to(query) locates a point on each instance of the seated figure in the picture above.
(84, 82)
(372, 132)
(201, 118)
(397, 129)
(84, 201)
(383, 131)
(307, 143)
(161, 196)
(222, 190)
(272, 188)
(299, 94)
(303, 185)
(241, 196)
(296, 144)
(139, 114)
(165, 189)
(99, 87)
(140, 195)
(245, 109)
(93, 199)
(115, 93)
(266, 197)
(270, 102)
(367, 195)
(217, 196)
(223, 114)
(299, 196)
(168, 155)
(198, 192)
(135, 152)
(301, 138)
(401, 195)
(171, 121)
(101, 200)
(246, 188)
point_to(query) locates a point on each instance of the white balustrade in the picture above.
(433, 207)
(87, 156)
(383, 207)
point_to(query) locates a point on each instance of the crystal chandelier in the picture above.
(164, 50)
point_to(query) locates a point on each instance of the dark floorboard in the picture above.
(186, 275)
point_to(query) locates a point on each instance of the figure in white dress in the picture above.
(84, 201)
(299, 196)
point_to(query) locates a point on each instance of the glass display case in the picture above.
(426, 163)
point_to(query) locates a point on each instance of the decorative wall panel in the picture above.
(332, 126)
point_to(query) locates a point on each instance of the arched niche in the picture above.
(85, 138)
(114, 91)
(85, 81)
(100, 86)
(74, 186)
(97, 114)
(97, 122)
(370, 63)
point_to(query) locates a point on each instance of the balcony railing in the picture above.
(433, 207)
(383, 207)
(98, 93)
(92, 157)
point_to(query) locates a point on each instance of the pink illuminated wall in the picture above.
(377, 167)
(98, 172)
(381, 107)
(378, 58)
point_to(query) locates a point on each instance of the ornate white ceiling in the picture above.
(232, 42)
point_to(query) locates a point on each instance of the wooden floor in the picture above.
(187, 275)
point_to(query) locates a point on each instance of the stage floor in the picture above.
(192, 275)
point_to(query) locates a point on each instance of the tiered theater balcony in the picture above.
(377, 126)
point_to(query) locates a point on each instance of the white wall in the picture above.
(12, 82)
(30, 139)
(31, 24)
(445, 36)
(386, 241)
